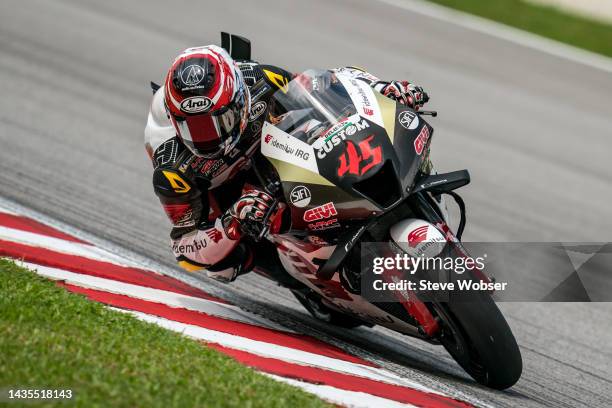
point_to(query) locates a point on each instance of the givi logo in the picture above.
(422, 138)
(417, 235)
(321, 212)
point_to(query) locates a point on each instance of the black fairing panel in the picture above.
(411, 141)
(372, 165)
(361, 157)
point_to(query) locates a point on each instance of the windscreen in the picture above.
(337, 127)
(314, 103)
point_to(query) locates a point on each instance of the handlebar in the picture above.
(428, 113)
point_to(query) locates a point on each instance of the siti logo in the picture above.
(321, 212)
(257, 110)
(409, 120)
(417, 236)
(300, 196)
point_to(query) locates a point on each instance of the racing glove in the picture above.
(404, 92)
(247, 214)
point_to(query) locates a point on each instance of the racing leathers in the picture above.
(206, 198)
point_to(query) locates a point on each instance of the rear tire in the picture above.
(477, 336)
(312, 302)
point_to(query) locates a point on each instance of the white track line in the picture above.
(125, 253)
(63, 246)
(7, 211)
(504, 32)
(137, 259)
(155, 295)
(342, 397)
(274, 351)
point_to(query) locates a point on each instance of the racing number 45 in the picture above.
(357, 160)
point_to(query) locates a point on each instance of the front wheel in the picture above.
(477, 336)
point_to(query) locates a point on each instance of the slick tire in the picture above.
(477, 336)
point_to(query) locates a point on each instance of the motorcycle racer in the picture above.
(203, 127)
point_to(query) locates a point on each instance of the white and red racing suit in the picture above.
(196, 192)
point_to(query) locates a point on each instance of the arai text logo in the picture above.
(257, 109)
(196, 104)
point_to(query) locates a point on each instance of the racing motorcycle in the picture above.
(349, 166)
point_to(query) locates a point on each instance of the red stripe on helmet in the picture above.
(200, 132)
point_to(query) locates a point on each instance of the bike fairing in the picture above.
(369, 174)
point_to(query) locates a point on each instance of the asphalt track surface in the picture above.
(534, 130)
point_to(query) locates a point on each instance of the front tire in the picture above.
(477, 336)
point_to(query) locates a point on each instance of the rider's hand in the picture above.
(247, 214)
(406, 93)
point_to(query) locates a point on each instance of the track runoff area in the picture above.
(125, 285)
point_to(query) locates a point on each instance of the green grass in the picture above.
(543, 20)
(50, 338)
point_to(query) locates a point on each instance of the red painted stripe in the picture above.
(249, 331)
(342, 381)
(92, 267)
(29, 225)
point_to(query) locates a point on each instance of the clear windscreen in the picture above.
(315, 104)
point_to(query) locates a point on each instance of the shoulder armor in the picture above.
(169, 182)
(159, 128)
(277, 77)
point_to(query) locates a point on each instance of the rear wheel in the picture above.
(312, 302)
(477, 336)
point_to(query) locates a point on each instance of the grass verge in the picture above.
(53, 339)
(543, 20)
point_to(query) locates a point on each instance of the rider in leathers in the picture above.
(203, 126)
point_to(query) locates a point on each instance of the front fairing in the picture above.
(329, 129)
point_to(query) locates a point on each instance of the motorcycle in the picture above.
(348, 166)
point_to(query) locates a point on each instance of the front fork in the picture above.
(434, 213)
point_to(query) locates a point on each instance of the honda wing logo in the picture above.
(417, 236)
